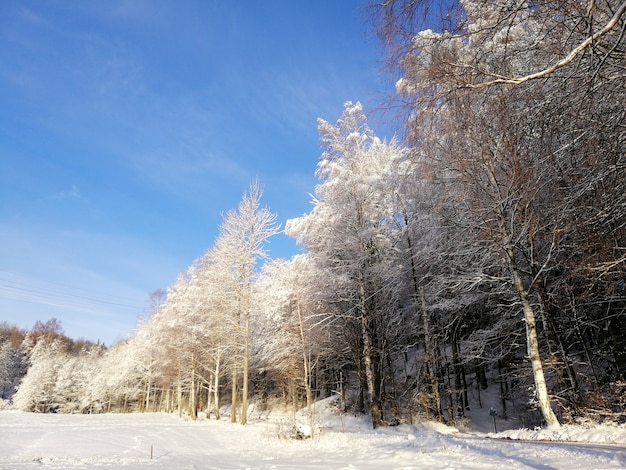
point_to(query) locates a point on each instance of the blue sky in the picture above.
(128, 127)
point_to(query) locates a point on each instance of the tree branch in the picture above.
(563, 62)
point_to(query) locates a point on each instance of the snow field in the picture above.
(125, 441)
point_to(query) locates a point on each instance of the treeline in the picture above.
(20, 348)
(486, 248)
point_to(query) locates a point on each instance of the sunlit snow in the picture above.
(165, 441)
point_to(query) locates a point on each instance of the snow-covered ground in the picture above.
(343, 442)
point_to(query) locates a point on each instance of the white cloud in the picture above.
(72, 193)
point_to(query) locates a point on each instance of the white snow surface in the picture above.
(110, 441)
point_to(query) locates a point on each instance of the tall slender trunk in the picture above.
(234, 392)
(504, 387)
(374, 402)
(370, 365)
(193, 409)
(245, 300)
(533, 352)
(306, 373)
(246, 368)
(179, 397)
(430, 357)
(532, 338)
(148, 387)
(216, 386)
(459, 389)
(209, 396)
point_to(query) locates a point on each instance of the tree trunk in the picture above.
(234, 391)
(147, 402)
(504, 388)
(306, 373)
(179, 397)
(617, 342)
(529, 313)
(374, 400)
(430, 358)
(216, 386)
(193, 409)
(370, 364)
(458, 372)
(246, 367)
(533, 345)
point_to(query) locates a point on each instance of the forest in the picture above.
(482, 247)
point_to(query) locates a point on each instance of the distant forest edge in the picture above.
(484, 246)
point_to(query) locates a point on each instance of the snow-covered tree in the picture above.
(13, 357)
(294, 347)
(6, 356)
(37, 391)
(239, 247)
(512, 99)
(349, 234)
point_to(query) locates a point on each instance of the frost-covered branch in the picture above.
(561, 63)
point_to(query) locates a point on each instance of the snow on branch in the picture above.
(563, 62)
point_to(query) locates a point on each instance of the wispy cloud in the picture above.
(72, 193)
(131, 125)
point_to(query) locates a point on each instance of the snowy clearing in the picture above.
(126, 440)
